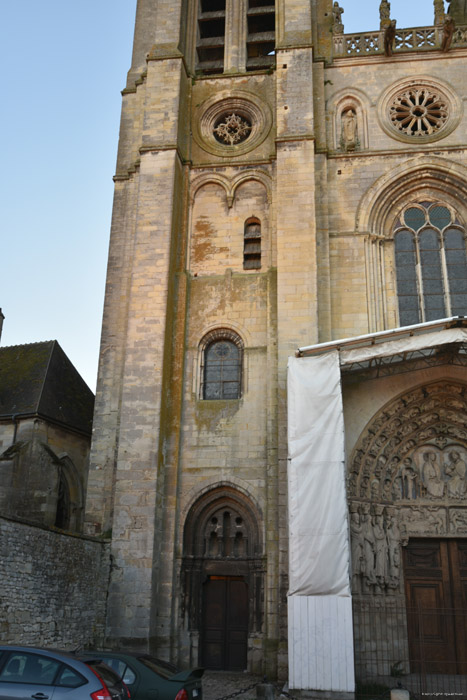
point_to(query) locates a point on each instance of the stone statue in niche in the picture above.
(432, 482)
(349, 137)
(338, 26)
(456, 469)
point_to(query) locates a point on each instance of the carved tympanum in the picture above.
(415, 449)
(407, 477)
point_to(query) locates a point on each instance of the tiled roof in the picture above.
(39, 379)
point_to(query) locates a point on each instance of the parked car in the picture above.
(148, 678)
(27, 672)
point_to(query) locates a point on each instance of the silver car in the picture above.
(26, 673)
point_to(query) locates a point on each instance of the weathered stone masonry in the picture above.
(53, 586)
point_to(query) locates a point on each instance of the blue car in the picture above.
(27, 672)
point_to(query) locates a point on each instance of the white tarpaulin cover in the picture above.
(404, 344)
(318, 530)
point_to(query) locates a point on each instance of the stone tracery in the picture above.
(232, 129)
(418, 111)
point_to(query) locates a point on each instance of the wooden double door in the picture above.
(224, 635)
(435, 572)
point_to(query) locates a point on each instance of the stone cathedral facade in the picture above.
(279, 184)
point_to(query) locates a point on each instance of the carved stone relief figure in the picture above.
(394, 544)
(431, 475)
(423, 520)
(358, 561)
(338, 26)
(375, 546)
(409, 477)
(456, 470)
(368, 546)
(381, 547)
(458, 523)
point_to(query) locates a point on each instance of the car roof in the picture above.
(37, 650)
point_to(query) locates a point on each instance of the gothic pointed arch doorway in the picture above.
(223, 571)
(407, 489)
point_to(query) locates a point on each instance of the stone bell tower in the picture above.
(213, 280)
(267, 165)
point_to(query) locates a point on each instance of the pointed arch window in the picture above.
(431, 263)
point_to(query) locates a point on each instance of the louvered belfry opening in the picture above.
(261, 20)
(211, 36)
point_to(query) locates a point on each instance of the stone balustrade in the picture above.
(413, 39)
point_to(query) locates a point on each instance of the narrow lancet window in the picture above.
(252, 245)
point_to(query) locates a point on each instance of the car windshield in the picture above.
(162, 668)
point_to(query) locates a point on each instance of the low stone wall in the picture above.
(53, 587)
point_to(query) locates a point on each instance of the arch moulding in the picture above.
(436, 176)
(407, 477)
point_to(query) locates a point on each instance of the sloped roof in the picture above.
(39, 379)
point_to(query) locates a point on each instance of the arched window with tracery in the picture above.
(222, 366)
(431, 263)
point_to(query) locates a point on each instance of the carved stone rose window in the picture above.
(228, 125)
(232, 129)
(419, 110)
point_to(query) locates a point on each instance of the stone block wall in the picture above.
(53, 587)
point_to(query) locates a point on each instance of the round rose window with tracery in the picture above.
(231, 129)
(419, 112)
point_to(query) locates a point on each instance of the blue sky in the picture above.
(64, 64)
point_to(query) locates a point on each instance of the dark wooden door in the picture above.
(435, 574)
(225, 623)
